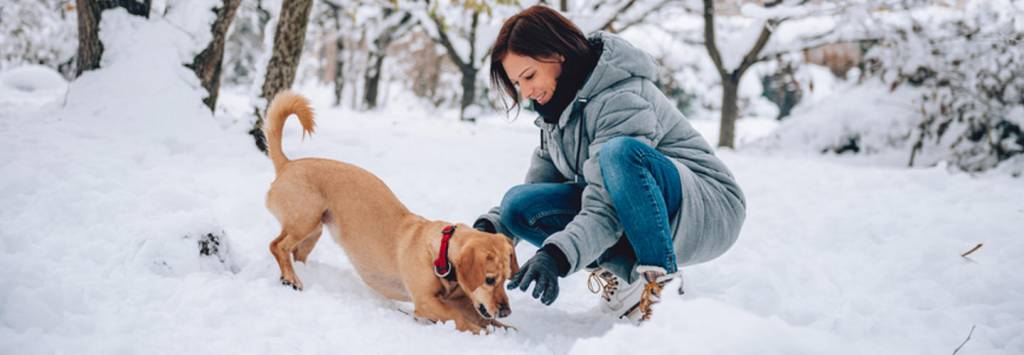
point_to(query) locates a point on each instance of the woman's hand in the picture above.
(484, 225)
(543, 269)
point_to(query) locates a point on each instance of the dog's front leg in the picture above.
(498, 324)
(430, 307)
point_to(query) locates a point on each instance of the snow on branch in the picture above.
(615, 15)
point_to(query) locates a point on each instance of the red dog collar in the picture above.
(443, 266)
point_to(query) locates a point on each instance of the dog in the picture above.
(396, 253)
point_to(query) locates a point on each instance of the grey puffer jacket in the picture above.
(620, 99)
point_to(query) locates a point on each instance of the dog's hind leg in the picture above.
(283, 259)
(284, 245)
(306, 247)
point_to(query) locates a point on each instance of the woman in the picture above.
(621, 184)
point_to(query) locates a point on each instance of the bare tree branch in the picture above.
(472, 37)
(709, 38)
(615, 15)
(762, 40)
(642, 17)
(442, 36)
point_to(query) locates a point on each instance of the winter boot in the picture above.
(655, 279)
(615, 292)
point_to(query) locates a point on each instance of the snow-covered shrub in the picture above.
(790, 81)
(244, 47)
(782, 88)
(37, 32)
(862, 119)
(673, 84)
(970, 67)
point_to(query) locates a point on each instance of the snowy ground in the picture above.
(106, 188)
(834, 257)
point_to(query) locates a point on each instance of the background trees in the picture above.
(724, 59)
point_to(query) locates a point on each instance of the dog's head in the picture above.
(484, 262)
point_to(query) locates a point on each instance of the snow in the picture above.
(30, 83)
(109, 186)
(31, 78)
(870, 114)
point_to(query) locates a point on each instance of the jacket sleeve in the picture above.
(541, 168)
(596, 228)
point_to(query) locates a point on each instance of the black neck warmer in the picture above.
(574, 74)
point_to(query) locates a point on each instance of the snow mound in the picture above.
(31, 78)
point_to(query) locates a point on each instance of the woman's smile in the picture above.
(542, 98)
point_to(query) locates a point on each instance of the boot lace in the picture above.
(650, 296)
(604, 282)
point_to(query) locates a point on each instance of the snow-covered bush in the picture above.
(863, 119)
(244, 47)
(37, 32)
(673, 86)
(970, 67)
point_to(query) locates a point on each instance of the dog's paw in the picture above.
(500, 325)
(296, 285)
(471, 327)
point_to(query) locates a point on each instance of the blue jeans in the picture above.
(644, 188)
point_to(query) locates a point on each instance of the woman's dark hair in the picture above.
(540, 33)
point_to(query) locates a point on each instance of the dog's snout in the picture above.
(483, 312)
(504, 310)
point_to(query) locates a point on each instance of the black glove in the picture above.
(544, 268)
(484, 225)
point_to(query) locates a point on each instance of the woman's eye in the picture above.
(490, 281)
(529, 77)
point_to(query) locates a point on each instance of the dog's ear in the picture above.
(513, 262)
(466, 266)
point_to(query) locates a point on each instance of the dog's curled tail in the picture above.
(285, 104)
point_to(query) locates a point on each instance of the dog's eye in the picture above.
(490, 281)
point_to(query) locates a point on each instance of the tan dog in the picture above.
(391, 248)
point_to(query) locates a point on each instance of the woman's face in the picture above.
(535, 79)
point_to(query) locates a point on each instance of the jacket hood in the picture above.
(619, 61)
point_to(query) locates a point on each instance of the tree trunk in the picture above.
(376, 55)
(730, 111)
(563, 5)
(468, 93)
(731, 80)
(90, 49)
(339, 69)
(337, 76)
(371, 82)
(207, 65)
(466, 67)
(284, 60)
(469, 71)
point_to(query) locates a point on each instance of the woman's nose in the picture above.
(526, 91)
